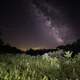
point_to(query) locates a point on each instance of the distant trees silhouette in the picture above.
(1, 41)
(74, 47)
(7, 48)
(33, 52)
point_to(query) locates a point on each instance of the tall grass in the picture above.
(24, 67)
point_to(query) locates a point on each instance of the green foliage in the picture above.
(24, 67)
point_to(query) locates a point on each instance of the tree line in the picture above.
(7, 48)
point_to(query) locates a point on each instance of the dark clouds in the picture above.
(28, 23)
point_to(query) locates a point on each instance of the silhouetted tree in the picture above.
(9, 49)
(1, 41)
(33, 52)
(74, 47)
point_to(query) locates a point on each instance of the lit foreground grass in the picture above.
(24, 67)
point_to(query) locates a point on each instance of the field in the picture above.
(25, 67)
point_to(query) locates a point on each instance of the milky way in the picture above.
(59, 28)
(39, 23)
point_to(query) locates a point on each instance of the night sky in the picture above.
(39, 23)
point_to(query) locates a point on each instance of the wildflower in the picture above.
(45, 78)
(29, 78)
(27, 63)
(55, 62)
(68, 54)
(45, 56)
(77, 79)
(67, 62)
